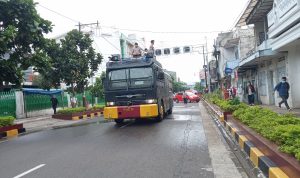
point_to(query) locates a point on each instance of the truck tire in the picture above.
(161, 112)
(170, 111)
(119, 121)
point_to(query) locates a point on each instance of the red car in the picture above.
(191, 97)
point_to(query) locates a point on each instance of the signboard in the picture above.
(228, 70)
(284, 6)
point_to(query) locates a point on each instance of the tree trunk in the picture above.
(73, 99)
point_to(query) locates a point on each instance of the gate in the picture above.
(8, 103)
(38, 102)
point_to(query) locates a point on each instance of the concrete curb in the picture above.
(259, 160)
(12, 133)
(87, 116)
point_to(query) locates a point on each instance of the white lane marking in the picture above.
(29, 171)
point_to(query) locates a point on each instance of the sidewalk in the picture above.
(45, 122)
(282, 110)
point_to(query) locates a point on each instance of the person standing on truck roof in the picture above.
(136, 51)
(151, 48)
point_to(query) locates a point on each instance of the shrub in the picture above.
(284, 130)
(6, 121)
(98, 106)
(71, 110)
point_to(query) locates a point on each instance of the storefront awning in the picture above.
(41, 91)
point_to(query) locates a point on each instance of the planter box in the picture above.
(79, 115)
(226, 114)
(286, 162)
(12, 130)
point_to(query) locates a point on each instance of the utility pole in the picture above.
(204, 67)
(80, 25)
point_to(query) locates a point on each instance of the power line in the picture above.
(162, 32)
(58, 13)
(111, 44)
(136, 30)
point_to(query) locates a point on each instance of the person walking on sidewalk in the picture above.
(54, 103)
(283, 89)
(250, 91)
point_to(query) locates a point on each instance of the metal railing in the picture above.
(37, 102)
(8, 103)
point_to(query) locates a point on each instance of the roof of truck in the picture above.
(132, 62)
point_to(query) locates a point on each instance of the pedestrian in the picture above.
(136, 51)
(151, 49)
(184, 98)
(54, 103)
(283, 90)
(250, 91)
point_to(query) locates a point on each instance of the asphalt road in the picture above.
(175, 147)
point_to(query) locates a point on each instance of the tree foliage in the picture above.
(73, 60)
(179, 86)
(198, 87)
(22, 39)
(97, 89)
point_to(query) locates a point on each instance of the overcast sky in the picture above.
(157, 16)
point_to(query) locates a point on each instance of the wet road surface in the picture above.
(175, 147)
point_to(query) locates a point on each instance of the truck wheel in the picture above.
(161, 113)
(119, 121)
(170, 111)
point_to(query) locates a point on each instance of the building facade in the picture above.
(284, 32)
(230, 48)
(276, 52)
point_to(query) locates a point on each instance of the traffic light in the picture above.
(176, 50)
(186, 49)
(167, 51)
(158, 52)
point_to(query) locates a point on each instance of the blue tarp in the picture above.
(41, 91)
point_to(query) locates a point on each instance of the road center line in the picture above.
(29, 171)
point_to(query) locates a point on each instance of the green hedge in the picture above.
(6, 121)
(71, 110)
(78, 109)
(284, 130)
(225, 105)
(98, 106)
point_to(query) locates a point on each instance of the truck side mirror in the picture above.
(161, 76)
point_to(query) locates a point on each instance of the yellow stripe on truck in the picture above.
(110, 112)
(149, 110)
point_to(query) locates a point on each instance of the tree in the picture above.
(22, 39)
(179, 86)
(98, 89)
(198, 87)
(74, 60)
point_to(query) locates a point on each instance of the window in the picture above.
(132, 78)
(118, 79)
(140, 77)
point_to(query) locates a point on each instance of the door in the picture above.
(271, 87)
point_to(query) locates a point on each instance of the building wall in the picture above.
(269, 74)
(294, 74)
